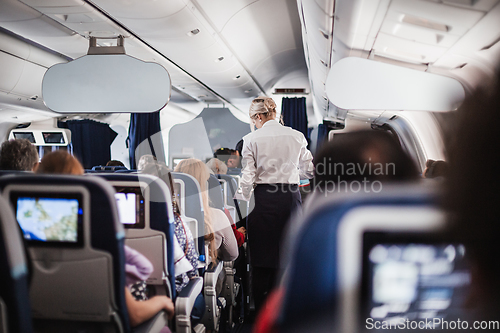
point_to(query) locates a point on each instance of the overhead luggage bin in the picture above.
(361, 84)
(106, 80)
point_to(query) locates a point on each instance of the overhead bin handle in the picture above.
(96, 50)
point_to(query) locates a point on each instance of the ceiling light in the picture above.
(324, 34)
(489, 46)
(425, 23)
(193, 32)
(403, 54)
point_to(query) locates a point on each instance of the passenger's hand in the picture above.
(242, 230)
(168, 306)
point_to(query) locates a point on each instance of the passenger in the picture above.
(364, 157)
(144, 160)
(435, 169)
(220, 237)
(216, 166)
(182, 232)
(229, 156)
(61, 162)
(115, 163)
(275, 157)
(137, 270)
(18, 155)
(474, 196)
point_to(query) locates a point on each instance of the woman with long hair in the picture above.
(219, 236)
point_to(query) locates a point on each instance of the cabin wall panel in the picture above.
(30, 80)
(10, 71)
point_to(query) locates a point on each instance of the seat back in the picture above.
(230, 190)
(15, 311)
(79, 269)
(109, 168)
(192, 206)
(154, 237)
(324, 273)
(215, 193)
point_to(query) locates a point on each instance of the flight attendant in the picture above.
(274, 159)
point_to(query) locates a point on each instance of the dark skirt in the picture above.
(274, 203)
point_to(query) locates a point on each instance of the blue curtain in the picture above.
(294, 114)
(91, 141)
(143, 126)
(322, 136)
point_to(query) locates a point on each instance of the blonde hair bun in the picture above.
(270, 104)
(262, 104)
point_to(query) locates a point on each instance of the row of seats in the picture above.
(61, 300)
(383, 255)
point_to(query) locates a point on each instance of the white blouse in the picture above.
(274, 154)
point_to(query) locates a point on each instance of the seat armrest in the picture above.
(215, 268)
(153, 325)
(184, 305)
(212, 312)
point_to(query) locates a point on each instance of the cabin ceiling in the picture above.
(456, 38)
(229, 51)
(216, 51)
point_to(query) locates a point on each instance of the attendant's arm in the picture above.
(141, 311)
(305, 162)
(249, 170)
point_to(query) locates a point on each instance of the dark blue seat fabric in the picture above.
(105, 168)
(160, 208)
(13, 273)
(106, 231)
(215, 193)
(312, 281)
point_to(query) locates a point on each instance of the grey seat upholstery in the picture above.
(77, 285)
(155, 241)
(324, 245)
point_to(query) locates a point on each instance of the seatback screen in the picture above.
(413, 278)
(130, 203)
(53, 137)
(25, 135)
(46, 219)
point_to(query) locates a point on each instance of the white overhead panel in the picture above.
(106, 83)
(179, 31)
(64, 26)
(360, 84)
(456, 38)
(317, 35)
